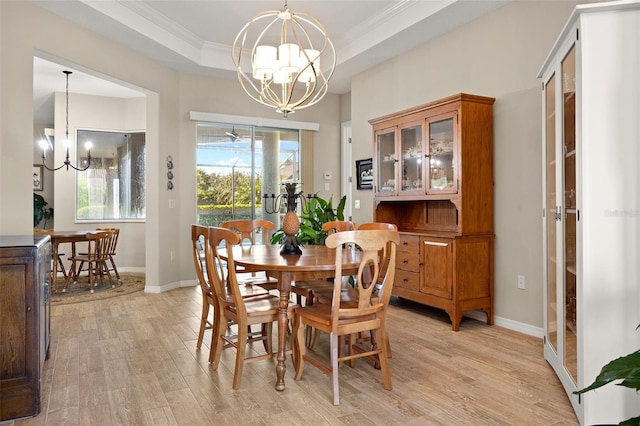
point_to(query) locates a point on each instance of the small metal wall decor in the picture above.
(169, 173)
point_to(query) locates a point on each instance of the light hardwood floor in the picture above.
(133, 360)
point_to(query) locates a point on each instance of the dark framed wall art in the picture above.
(364, 173)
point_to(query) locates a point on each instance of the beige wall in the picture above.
(498, 55)
(26, 29)
(96, 113)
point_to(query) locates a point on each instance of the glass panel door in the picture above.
(550, 207)
(237, 164)
(386, 158)
(411, 162)
(442, 161)
(570, 213)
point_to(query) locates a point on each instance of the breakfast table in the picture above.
(315, 262)
(59, 237)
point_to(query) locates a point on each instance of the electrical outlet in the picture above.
(356, 204)
(521, 284)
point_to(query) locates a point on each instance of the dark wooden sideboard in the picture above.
(25, 272)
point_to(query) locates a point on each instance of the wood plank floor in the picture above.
(132, 360)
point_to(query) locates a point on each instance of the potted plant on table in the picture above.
(314, 213)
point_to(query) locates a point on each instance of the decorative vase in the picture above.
(291, 223)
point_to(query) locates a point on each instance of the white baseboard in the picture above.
(508, 323)
(132, 269)
(169, 286)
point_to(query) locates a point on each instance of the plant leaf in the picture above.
(626, 368)
(340, 208)
(635, 421)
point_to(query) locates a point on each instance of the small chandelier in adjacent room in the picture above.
(67, 163)
(280, 55)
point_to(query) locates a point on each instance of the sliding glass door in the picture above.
(237, 164)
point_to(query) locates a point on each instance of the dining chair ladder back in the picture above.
(113, 244)
(95, 258)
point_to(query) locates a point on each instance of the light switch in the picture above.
(327, 186)
(356, 204)
(327, 175)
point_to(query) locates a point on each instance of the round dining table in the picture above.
(315, 262)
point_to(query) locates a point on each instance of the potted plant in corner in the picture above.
(40, 210)
(627, 369)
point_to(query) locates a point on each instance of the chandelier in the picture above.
(284, 70)
(67, 163)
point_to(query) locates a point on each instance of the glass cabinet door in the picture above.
(550, 209)
(442, 158)
(386, 158)
(412, 155)
(570, 213)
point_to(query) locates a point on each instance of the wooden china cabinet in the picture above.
(433, 174)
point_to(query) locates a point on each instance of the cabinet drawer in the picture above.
(409, 243)
(408, 261)
(407, 280)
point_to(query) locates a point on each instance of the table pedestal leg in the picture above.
(284, 285)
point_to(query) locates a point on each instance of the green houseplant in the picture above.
(314, 213)
(627, 369)
(40, 210)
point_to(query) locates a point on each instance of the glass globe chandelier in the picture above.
(280, 55)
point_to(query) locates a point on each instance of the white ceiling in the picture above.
(196, 35)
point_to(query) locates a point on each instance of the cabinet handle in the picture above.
(405, 261)
(47, 292)
(435, 243)
(404, 280)
(29, 308)
(404, 243)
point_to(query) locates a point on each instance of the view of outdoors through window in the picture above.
(113, 186)
(236, 165)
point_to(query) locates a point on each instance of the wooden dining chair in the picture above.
(377, 226)
(60, 255)
(250, 230)
(111, 249)
(349, 294)
(309, 288)
(231, 306)
(95, 259)
(200, 245)
(338, 319)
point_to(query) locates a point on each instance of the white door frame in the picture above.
(347, 170)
